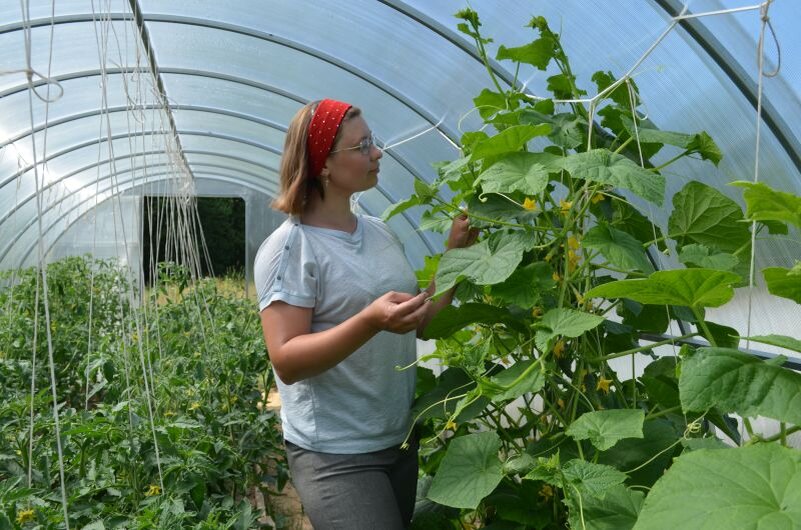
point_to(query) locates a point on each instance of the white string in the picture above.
(760, 75)
(673, 22)
(41, 258)
(30, 72)
(409, 139)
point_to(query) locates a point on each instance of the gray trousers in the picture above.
(372, 491)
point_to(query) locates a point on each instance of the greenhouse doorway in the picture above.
(205, 234)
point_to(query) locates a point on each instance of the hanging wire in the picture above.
(765, 22)
(24, 4)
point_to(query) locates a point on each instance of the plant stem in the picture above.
(623, 145)
(662, 412)
(785, 433)
(642, 348)
(660, 168)
(703, 326)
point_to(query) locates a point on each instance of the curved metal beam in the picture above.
(261, 35)
(84, 74)
(126, 108)
(449, 35)
(400, 161)
(707, 41)
(214, 176)
(424, 237)
(120, 136)
(48, 185)
(50, 246)
(31, 222)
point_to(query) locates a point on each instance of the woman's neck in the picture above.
(333, 212)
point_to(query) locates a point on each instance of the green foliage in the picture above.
(529, 426)
(732, 381)
(604, 428)
(469, 471)
(745, 487)
(205, 362)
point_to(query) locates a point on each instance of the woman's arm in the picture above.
(296, 353)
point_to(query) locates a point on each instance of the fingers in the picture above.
(404, 312)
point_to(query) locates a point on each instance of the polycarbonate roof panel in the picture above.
(75, 49)
(234, 72)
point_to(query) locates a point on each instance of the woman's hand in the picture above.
(397, 312)
(461, 235)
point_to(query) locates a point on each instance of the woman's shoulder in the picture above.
(375, 223)
(278, 240)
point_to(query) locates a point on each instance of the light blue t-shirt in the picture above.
(363, 403)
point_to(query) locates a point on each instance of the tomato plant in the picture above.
(209, 442)
(528, 425)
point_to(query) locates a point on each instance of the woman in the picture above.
(338, 304)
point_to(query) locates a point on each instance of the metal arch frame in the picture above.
(8, 214)
(694, 28)
(212, 110)
(121, 109)
(59, 236)
(214, 176)
(83, 74)
(225, 178)
(121, 136)
(282, 41)
(32, 221)
(738, 76)
(381, 189)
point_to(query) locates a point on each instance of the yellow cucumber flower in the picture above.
(603, 385)
(530, 205)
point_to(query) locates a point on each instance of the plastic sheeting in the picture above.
(163, 95)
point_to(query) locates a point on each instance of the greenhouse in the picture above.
(570, 298)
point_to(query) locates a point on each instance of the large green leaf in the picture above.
(520, 378)
(564, 322)
(490, 103)
(526, 285)
(605, 167)
(509, 140)
(616, 510)
(451, 319)
(538, 53)
(784, 282)
(590, 478)
(604, 428)
(782, 341)
(682, 287)
(700, 143)
(733, 381)
(646, 457)
(522, 172)
(487, 262)
(469, 471)
(567, 130)
(748, 488)
(762, 203)
(702, 214)
(400, 206)
(619, 248)
(700, 256)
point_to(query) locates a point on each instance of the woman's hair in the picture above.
(297, 182)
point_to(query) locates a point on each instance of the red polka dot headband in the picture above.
(322, 131)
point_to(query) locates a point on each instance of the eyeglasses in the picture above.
(363, 147)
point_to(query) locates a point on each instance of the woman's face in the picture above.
(349, 169)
